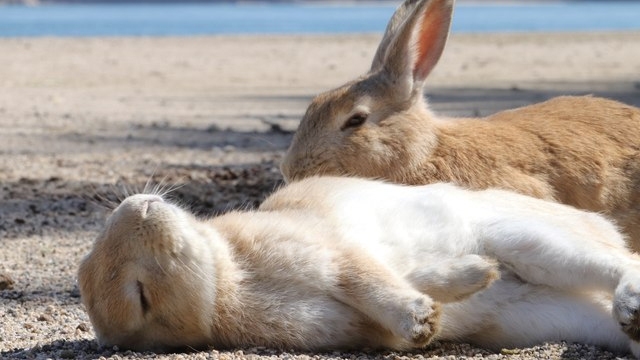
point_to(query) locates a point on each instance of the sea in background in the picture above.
(183, 19)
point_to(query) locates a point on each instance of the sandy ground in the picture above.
(86, 121)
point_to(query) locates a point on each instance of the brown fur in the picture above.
(582, 151)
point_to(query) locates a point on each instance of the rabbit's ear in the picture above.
(417, 43)
(399, 16)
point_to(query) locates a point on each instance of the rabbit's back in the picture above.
(581, 151)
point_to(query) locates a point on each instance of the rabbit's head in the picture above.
(147, 282)
(376, 123)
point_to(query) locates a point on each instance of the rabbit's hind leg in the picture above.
(578, 252)
(584, 252)
(513, 314)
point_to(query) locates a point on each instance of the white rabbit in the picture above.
(334, 263)
(581, 151)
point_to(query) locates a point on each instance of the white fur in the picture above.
(559, 264)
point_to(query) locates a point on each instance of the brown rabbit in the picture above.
(581, 151)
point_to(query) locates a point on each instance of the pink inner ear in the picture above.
(431, 37)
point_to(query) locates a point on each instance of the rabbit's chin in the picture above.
(148, 270)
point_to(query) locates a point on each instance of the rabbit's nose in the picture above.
(139, 204)
(148, 203)
(145, 199)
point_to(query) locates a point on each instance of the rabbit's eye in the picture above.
(355, 120)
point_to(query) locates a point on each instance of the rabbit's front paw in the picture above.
(420, 321)
(626, 308)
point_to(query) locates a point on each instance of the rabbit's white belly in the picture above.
(405, 226)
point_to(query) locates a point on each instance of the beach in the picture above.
(86, 121)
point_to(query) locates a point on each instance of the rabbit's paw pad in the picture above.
(626, 309)
(420, 322)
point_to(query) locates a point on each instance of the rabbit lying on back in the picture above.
(335, 263)
(581, 151)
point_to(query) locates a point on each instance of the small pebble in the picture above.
(67, 354)
(6, 282)
(45, 317)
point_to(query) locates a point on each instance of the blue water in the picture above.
(200, 19)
